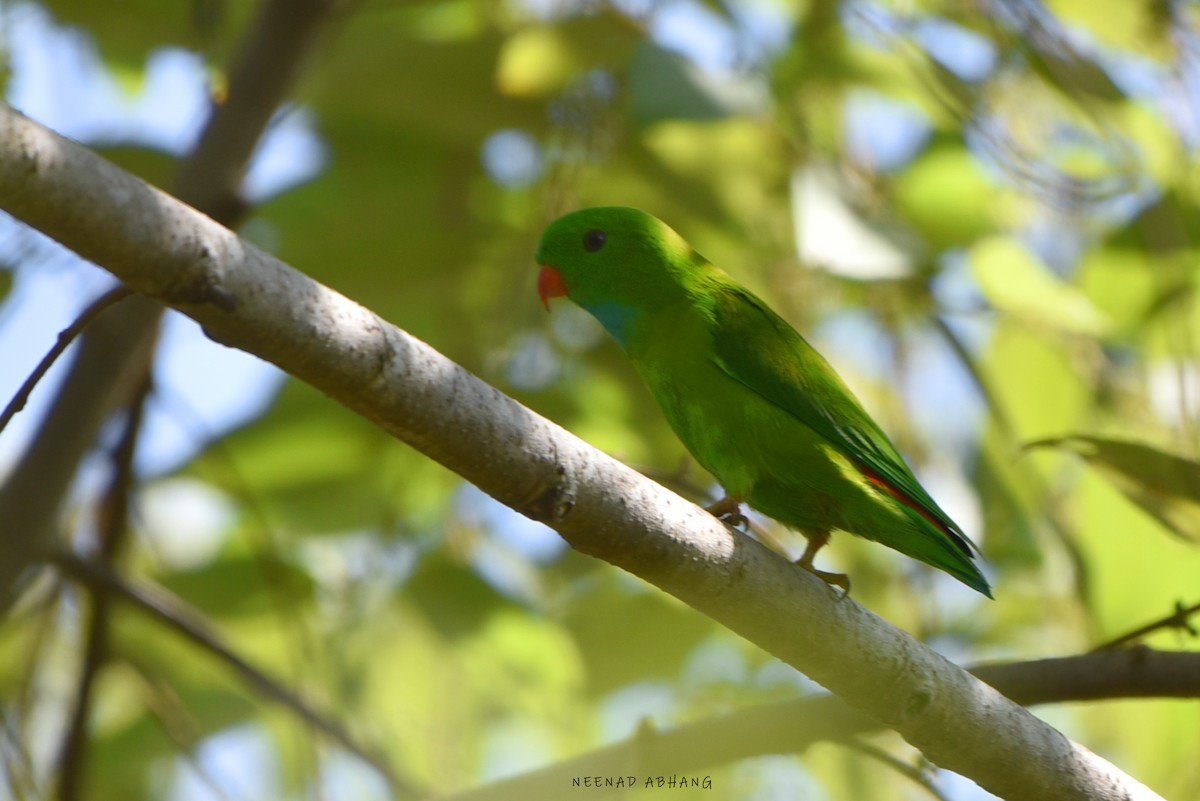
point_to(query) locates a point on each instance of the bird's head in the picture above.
(614, 261)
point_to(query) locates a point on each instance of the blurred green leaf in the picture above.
(664, 85)
(1164, 485)
(1142, 27)
(413, 693)
(524, 664)
(452, 596)
(1016, 282)
(947, 196)
(309, 468)
(541, 60)
(617, 653)
(1122, 283)
(241, 585)
(129, 30)
(1009, 533)
(1167, 225)
(1034, 380)
(151, 165)
(1074, 74)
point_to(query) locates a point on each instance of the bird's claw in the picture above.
(735, 520)
(840, 580)
(816, 541)
(729, 511)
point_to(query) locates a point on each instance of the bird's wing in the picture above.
(757, 348)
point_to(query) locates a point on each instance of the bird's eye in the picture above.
(593, 240)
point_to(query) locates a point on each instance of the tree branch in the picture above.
(1179, 619)
(248, 299)
(790, 727)
(183, 620)
(65, 338)
(115, 353)
(268, 63)
(111, 362)
(111, 532)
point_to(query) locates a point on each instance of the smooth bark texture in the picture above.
(247, 299)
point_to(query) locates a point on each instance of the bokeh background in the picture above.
(983, 213)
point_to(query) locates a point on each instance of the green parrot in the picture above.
(755, 404)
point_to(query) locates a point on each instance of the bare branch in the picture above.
(115, 353)
(182, 619)
(790, 727)
(1179, 619)
(97, 385)
(913, 773)
(18, 769)
(1096, 676)
(65, 338)
(248, 299)
(268, 63)
(112, 530)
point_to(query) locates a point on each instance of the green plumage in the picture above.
(749, 397)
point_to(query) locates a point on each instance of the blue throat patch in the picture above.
(616, 318)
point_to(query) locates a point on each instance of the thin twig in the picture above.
(169, 711)
(111, 531)
(65, 338)
(911, 772)
(263, 547)
(1179, 619)
(186, 621)
(982, 385)
(18, 766)
(39, 618)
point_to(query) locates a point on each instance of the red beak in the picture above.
(550, 285)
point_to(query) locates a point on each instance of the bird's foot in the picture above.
(840, 580)
(729, 511)
(816, 541)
